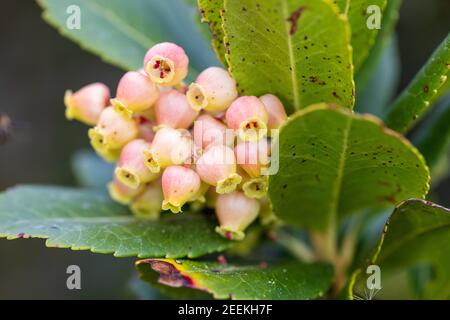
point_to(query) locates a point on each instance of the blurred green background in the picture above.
(37, 66)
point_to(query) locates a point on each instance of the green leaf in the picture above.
(383, 83)
(211, 11)
(333, 163)
(89, 220)
(433, 139)
(390, 18)
(276, 46)
(90, 170)
(122, 31)
(363, 38)
(443, 90)
(416, 234)
(284, 281)
(418, 95)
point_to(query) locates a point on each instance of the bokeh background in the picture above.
(36, 66)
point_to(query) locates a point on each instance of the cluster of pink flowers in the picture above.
(176, 144)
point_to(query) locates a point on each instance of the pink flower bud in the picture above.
(121, 193)
(131, 169)
(147, 205)
(145, 129)
(213, 90)
(113, 130)
(253, 156)
(217, 167)
(180, 185)
(87, 104)
(173, 110)
(256, 188)
(166, 63)
(248, 115)
(135, 93)
(275, 109)
(235, 213)
(169, 147)
(209, 131)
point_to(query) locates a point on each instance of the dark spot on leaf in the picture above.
(390, 199)
(293, 19)
(336, 95)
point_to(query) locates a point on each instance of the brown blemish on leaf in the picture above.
(227, 47)
(426, 88)
(336, 95)
(170, 276)
(390, 199)
(317, 80)
(293, 19)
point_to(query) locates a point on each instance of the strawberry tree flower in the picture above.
(131, 169)
(210, 131)
(169, 147)
(180, 185)
(175, 144)
(87, 104)
(122, 193)
(275, 110)
(147, 205)
(256, 188)
(145, 129)
(166, 64)
(214, 90)
(235, 213)
(173, 110)
(253, 156)
(248, 115)
(217, 167)
(112, 132)
(135, 93)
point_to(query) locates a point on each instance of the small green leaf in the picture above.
(363, 38)
(211, 11)
(276, 46)
(89, 220)
(333, 163)
(90, 170)
(417, 97)
(284, 281)
(416, 234)
(122, 31)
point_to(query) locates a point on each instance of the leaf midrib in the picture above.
(295, 88)
(334, 203)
